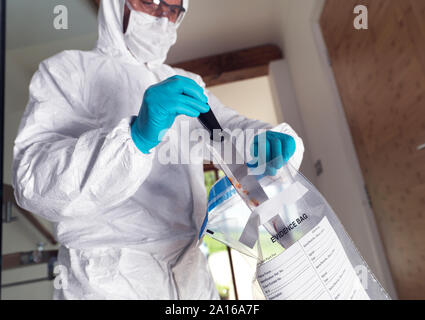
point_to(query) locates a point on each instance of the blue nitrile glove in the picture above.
(279, 149)
(162, 103)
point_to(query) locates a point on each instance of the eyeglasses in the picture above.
(158, 8)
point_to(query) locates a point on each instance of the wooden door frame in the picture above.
(350, 151)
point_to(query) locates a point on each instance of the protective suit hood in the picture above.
(111, 40)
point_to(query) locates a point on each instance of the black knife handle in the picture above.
(210, 122)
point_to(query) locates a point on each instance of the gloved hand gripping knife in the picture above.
(247, 186)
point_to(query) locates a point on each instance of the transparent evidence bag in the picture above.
(301, 248)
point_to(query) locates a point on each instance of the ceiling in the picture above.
(219, 26)
(210, 27)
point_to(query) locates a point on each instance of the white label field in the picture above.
(315, 267)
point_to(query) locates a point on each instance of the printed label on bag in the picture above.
(315, 267)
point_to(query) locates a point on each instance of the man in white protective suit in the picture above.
(86, 159)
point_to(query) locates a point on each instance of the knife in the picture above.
(247, 186)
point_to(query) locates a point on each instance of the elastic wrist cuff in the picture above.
(139, 141)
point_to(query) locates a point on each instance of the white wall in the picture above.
(251, 98)
(30, 22)
(327, 132)
(288, 110)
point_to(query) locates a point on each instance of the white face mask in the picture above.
(149, 38)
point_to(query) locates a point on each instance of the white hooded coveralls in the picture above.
(127, 224)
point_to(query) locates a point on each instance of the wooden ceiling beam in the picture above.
(233, 66)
